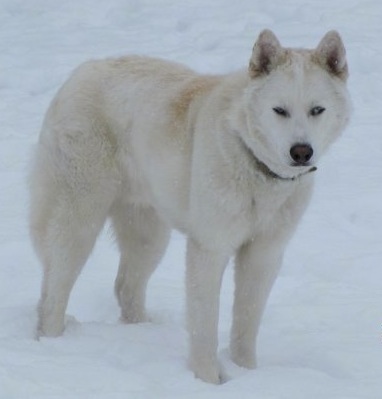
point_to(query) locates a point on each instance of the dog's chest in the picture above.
(270, 204)
(242, 213)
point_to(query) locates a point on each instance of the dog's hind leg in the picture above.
(142, 239)
(64, 247)
(65, 222)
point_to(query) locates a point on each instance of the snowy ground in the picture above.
(322, 332)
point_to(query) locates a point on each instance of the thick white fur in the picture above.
(154, 146)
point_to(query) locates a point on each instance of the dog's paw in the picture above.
(211, 374)
(135, 319)
(243, 359)
(49, 330)
(55, 328)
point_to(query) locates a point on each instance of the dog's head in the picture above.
(297, 103)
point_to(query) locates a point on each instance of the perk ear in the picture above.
(267, 53)
(331, 55)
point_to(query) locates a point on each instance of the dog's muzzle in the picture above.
(302, 153)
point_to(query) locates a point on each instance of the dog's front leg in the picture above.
(203, 280)
(256, 267)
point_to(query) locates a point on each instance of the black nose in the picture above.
(301, 153)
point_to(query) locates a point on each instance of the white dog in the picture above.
(227, 160)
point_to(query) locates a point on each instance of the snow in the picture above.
(321, 335)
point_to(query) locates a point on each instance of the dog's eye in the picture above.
(281, 111)
(317, 110)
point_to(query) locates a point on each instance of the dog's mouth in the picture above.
(269, 173)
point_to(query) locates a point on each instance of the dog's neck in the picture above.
(266, 171)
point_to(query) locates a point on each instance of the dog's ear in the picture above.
(331, 55)
(267, 53)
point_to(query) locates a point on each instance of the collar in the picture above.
(267, 172)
